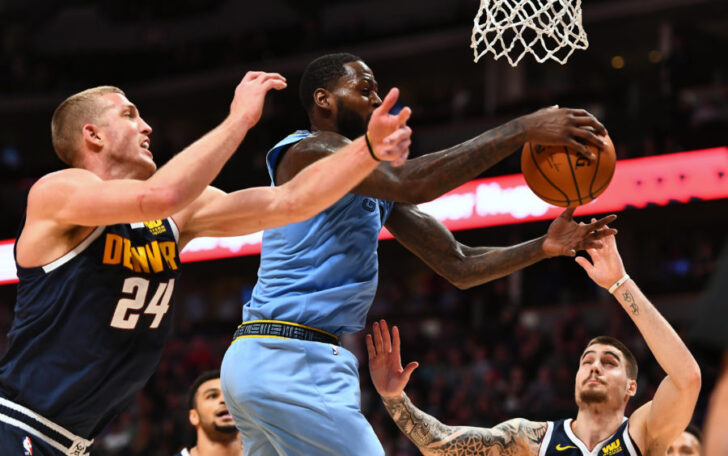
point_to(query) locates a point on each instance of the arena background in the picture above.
(655, 74)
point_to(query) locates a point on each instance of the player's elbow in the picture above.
(693, 377)
(690, 378)
(158, 203)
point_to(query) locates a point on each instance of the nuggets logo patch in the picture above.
(27, 446)
(155, 227)
(612, 449)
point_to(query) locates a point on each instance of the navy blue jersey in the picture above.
(183, 452)
(89, 328)
(561, 441)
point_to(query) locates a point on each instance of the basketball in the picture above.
(561, 176)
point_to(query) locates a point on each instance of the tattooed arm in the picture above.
(659, 422)
(429, 176)
(466, 266)
(514, 437)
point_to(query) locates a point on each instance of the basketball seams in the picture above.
(594, 176)
(567, 200)
(573, 175)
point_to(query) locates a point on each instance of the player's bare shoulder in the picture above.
(516, 437)
(308, 150)
(321, 142)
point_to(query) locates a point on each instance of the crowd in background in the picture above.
(505, 349)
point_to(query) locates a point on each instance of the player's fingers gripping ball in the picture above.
(561, 176)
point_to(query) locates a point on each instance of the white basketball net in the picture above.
(548, 29)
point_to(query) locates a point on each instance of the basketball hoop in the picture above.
(548, 29)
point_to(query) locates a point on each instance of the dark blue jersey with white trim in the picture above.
(89, 328)
(561, 441)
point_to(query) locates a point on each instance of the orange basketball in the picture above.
(561, 176)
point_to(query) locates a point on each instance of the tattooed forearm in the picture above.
(514, 437)
(439, 172)
(629, 299)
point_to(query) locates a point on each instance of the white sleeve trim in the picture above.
(75, 251)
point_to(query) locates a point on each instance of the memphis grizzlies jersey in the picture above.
(561, 441)
(321, 272)
(89, 327)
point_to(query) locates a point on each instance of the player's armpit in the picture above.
(514, 437)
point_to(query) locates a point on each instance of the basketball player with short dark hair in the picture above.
(98, 254)
(605, 382)
(216, 431)
(317, 278)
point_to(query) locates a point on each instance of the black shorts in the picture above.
(16, 441)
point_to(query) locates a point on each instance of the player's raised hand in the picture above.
(247, 104)
(566, 237)
(385, 363)
(389, 135)
(564, 126)
(606, 265)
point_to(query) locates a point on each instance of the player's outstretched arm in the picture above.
(659, 422)
(315, 188)
(429, 176)
(466, 266)
(514, 437)
(79, 197)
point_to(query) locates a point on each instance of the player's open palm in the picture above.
(385, 363)
(389, 134)
(566, 237)
(247, 104)
(606, 265)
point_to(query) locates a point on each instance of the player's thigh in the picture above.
(303, 396)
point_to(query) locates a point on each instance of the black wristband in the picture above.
(369, 146)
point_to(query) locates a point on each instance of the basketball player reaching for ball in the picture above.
(288, 392)
(605, 382)
(98, 254)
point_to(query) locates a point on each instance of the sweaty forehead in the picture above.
(355, 71)
(212, 384)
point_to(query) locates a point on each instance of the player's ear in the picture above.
(631, 387)
(323, 99)
(194, 417)
(92, 136)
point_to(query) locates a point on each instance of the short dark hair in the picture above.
(695, 432)
(323, 72)
(192, 393)
(629, 359)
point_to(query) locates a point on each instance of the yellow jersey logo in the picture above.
(155, 227)
(613, 448)
(149, 258)
(559, 447)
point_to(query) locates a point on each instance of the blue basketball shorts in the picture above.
(295, 397)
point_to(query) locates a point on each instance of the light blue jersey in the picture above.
(301, 397)
(321, 272)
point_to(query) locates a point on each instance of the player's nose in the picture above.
(145, 127)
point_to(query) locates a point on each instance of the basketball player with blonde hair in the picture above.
(605, 382)
(98, 253)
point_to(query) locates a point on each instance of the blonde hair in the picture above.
(71, 115)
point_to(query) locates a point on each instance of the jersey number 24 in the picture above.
(127, 310)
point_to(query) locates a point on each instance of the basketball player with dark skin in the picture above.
(604, 384)
(215, 428)
(340, 112)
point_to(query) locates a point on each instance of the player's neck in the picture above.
(596, 423)
(207, 447)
